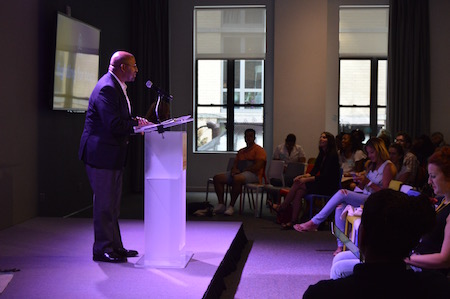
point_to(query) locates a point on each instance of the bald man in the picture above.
(103, 149)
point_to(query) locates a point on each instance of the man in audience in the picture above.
(289, 151)
(248, 168)
(392, 224)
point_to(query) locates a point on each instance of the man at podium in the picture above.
(103, 149)
(248, 168)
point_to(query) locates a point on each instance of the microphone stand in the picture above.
(160, 127)
(156, 108)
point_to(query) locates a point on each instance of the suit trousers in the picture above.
(106, 185)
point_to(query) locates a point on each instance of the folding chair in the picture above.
(292, 170)
(275, 171)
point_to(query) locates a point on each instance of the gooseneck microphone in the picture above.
(160, 92)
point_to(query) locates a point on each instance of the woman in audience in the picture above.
(433, 252)
(396, 155)
(359, 138)
(391, 225)
(379, 172)
(351, 159)
(323, 179)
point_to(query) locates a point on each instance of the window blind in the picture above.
(230, 33)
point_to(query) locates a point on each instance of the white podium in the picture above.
(165, 197)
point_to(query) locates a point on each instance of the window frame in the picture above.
(230, 104)
(373, 106)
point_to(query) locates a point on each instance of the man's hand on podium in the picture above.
(142, 122)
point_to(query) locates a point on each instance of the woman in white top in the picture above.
(380, 171)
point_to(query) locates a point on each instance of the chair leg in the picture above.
(207, 190)
(258, 210)
(226, 195)
(251, 200)
(246, 194)
(241, 199)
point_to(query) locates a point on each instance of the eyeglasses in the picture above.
(131, 65)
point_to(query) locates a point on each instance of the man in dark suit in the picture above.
(103, 149)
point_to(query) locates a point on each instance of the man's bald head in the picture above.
(120, 57)
(123, 65)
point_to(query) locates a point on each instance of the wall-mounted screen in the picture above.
(76, 63)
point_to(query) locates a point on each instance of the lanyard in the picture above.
(441, 206)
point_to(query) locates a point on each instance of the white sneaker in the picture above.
(219, 209)
(229, 211)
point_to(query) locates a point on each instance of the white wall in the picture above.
(300, 72)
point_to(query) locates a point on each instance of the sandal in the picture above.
(306, 227)
(273, 206)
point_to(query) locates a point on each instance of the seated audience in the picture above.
(289, 151)
(410, 159)
(359, 138)
(248, 168)
(163, 112)
(433, 252)
(423, 148)
(438, 139)
(391, 225)
(323, 179)
(338, 139)
(379, 172)
(385, 136)
(396, 155)
(351, 160)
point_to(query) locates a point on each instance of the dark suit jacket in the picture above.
(107, 127)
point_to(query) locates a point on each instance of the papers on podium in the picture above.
(165, 124)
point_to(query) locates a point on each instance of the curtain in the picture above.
(150, 45)
(409, 67)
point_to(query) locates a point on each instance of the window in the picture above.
(363, 68)
(229, 76)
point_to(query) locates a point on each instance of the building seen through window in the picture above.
(229, 76)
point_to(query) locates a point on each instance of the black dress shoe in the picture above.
(109, 257)
(125, 252)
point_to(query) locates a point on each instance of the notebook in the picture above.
(346, 241)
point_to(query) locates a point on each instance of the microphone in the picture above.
(160, 92)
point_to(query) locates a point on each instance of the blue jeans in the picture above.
(337, 203)
(343, 264)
